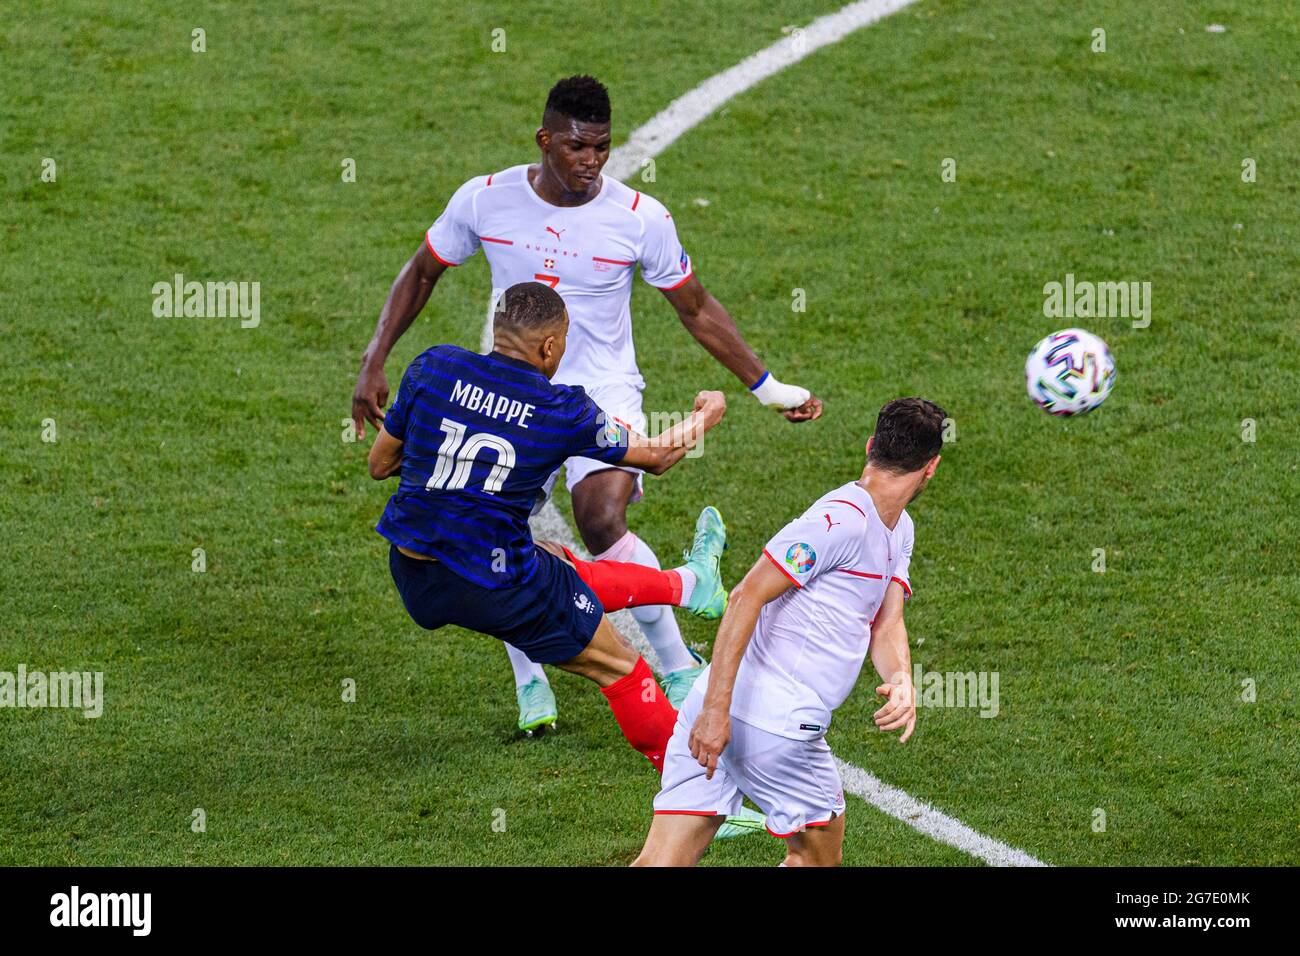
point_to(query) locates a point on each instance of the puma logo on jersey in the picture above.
(554, 233)
(829, 523)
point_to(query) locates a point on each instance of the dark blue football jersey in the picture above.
(482, 434)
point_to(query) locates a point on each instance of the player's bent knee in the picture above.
(606, 659)
(600, 508)
(601, 528)
(824, 849)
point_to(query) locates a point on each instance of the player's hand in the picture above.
(712, 406)
(709, 738)
(807, 412)
(900, 708)
(369, 399)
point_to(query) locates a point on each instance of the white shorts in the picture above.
(622, 400)
(794, 782)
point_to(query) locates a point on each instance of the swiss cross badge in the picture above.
(549, 263)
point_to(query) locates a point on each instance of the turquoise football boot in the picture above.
(708, 597)
(744, 823)
(537, 710)
(677, 684)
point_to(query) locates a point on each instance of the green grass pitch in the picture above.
(1120, 691)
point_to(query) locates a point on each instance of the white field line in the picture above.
(646, 142)
(691, 108)
(933, 823)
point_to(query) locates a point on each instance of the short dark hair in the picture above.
(583, 98)
(909, 432)
(528, 307)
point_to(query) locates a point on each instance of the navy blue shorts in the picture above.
(551, 618)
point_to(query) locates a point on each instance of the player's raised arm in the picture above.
(893, 661)
(666, 266)
(406, 298)
(712, 326)
(763, 584)
(656, 455)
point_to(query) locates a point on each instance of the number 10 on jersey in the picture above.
(456, 458)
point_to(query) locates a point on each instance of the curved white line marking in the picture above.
(691, 108)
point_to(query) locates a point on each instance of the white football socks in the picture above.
(688, 584)
(525, 670)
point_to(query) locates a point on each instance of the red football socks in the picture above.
(643, 712)
(621, 584)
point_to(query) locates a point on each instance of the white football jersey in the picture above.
(586, 253)
(809, 644)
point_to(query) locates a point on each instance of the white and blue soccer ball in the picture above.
(1070, 372)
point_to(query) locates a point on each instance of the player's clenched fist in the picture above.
(806, 412)
(900, 707)
(713, 405)
(709, 738)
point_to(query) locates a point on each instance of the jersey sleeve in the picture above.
(664, 263)
(453, 237)
(824, 538)
(901, 574)
(596, 434)
(395, 419)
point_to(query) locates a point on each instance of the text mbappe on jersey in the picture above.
(501, 407)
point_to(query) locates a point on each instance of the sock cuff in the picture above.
(680, 582)
(683, 584)
(620, 550)
(632, 683)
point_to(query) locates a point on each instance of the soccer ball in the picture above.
(1070, 372)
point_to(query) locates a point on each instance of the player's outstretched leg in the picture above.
(696, 585)
(537, 708)
(642, 711)
(709, 600)
(600, 510)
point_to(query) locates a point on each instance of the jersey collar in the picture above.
(863, 497)
(496, 356)
(604, 188)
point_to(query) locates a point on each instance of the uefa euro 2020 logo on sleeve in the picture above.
(801, 557)
(612, 433)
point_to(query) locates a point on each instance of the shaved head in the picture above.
(528, 309)
(582, 98)
(531, 323)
